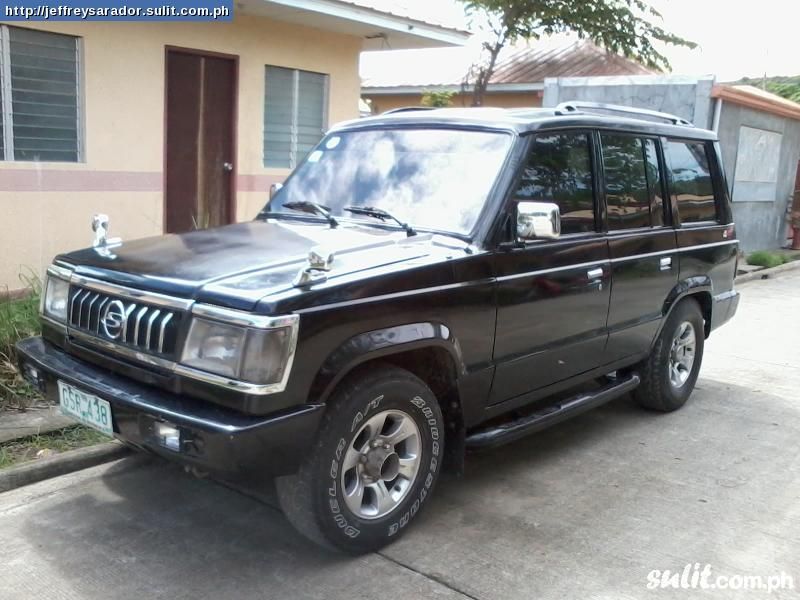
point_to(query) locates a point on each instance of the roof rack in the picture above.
(570, 108)
(403, 109)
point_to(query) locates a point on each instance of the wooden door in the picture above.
(200, 140)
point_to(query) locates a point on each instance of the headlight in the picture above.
(257, 356)
(56, 298)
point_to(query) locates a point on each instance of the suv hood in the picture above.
(238, 265)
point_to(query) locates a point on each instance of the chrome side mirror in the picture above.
(538, 220)
(274, 189)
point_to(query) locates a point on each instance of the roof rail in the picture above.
(578, 107)
(402, 109)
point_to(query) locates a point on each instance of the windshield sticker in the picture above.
(315, 156)
(333, 142)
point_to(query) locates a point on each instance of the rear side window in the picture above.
(632, 182)
(559, 170)
(690, 180)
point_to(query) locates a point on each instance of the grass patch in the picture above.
(764, 258)
(18, 319)
(25, 449)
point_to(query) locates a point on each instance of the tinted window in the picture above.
(633, 184)
(654, 184)
(559, 171)
(691, 181)
(627, 195)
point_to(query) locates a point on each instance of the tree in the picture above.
(437, 99)
(620, 26)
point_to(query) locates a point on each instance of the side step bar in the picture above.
(513, 430)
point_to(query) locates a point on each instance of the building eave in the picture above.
(379, 30)
(415, 90)
(728, 93)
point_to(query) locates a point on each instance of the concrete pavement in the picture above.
(584, 510)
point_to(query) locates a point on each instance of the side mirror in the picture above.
(538, 220)
(274, 189)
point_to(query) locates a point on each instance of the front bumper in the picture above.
(211, 438)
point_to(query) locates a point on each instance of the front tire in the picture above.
(375, 462)
(669, 374)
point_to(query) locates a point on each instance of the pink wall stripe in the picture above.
(257, 183)
(50, 180)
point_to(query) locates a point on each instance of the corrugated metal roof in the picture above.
(555, 57)
(399, 9)
(578, 59)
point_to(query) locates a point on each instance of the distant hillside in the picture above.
(788, 87)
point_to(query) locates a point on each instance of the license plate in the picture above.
(87, 408)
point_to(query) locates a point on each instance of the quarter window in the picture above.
(690, 179)
(39, 96)
(633, 182)
(294, 115)
(559, 171)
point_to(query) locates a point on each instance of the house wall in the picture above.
(383, 102)
(47, 207)
(759, 224)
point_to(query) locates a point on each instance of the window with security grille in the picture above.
(295, 114)
(39, 96)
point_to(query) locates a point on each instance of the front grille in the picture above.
(143, 327)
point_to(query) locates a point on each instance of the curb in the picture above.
(61, 464)
(767, 273)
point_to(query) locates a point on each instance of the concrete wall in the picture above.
(383, 102)
(686, 97)
(46, 207)
(760, 224)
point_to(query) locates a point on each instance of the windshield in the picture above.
(430, 178)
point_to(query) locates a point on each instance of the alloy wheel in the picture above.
(381, 464)
(681, 356)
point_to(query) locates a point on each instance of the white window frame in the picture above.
(7, 110)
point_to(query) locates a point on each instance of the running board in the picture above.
(513, 430)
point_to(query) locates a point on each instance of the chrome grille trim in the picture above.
(144, 328)
(164, 324)
(139, 316)
(126, 293)
(150, 327)
(160, 347)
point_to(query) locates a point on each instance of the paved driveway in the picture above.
(585, 510)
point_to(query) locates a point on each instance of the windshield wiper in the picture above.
(379, 213)
(314, 209)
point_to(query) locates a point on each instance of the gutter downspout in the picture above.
(717, 113)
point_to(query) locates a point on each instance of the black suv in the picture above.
(425, 282)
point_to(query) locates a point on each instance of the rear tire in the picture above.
(374, 463)
(669, 374)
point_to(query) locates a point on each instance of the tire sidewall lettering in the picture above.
(339, 516)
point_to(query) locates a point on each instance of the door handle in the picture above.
(226, 166)
(595, 273)
(665, 264)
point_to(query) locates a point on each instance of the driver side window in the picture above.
(559, 170)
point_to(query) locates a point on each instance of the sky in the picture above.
(736, 38)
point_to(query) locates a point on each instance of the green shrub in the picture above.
(18, 319)
(763, 258)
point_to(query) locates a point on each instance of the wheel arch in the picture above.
(428, 350)
(699, 289)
